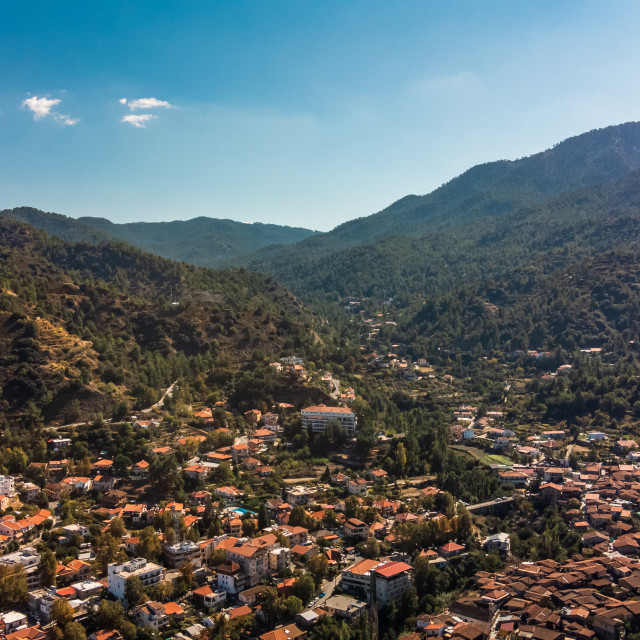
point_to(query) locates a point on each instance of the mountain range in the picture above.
(491, 237)
(202, 241)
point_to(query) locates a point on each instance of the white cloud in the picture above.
(43, 107)
(40, 107)
(145, 103)
(139, 120)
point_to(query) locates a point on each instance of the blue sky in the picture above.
(293, 112)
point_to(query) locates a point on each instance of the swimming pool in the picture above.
(243, 511)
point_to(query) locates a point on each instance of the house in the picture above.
(103, 483)
(155, 615)
(139, 469)
(500, 542)
(78, 484)
(29, 558)
(180, 552)
(451, 549)
(358, 486)
(266, 436)
(354, 528)
(28, 491)
(289, 632)
(624, 446)
(345, 607)
(208, 598)
(295, 535)
(515, 478)
(229, 493)
(299, 495)
(102, 466)
(231, 577)
(134, 512)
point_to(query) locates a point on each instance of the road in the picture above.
(158, 405)
(472, 508)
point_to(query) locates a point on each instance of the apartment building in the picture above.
(253, 561)
(180, 552)
(7, 486)
(29, 558)
(317, 418)
(148, 572)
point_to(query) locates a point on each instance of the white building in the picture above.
(500, 542)
(391, 579)
(180, 552)
(148, 572)
(279, 559)
(7, 486)
(299, 495)
(317, 418)
(29, 558)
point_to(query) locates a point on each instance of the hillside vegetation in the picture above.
(86, 328)
(206, 242)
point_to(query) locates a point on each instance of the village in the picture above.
(96, 545)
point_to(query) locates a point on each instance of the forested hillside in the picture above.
(206, 242)
(392, 249)
(88, 328)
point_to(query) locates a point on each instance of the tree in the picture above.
(304, 588)
(116, 528)
(47, 568)
(217, 558)
(249, 527)
(292, 606)
(401, 460)
(271, 605)
(161, 591)
(62, 613)
(13, 584)
(134, 592)
(110, 615)
(264, 520)
(318, 567)
(107, 551)
(74, 631)
(186, 579)
(149, 546)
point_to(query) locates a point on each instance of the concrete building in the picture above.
(500, 542)
(7, 486)
(390, 580)
(231, 577)
(299, 495)
(253, 561)
(317, 418)
(180, 552)
(148, 572)
(29, 558)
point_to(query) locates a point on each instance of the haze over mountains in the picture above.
(200, 241)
